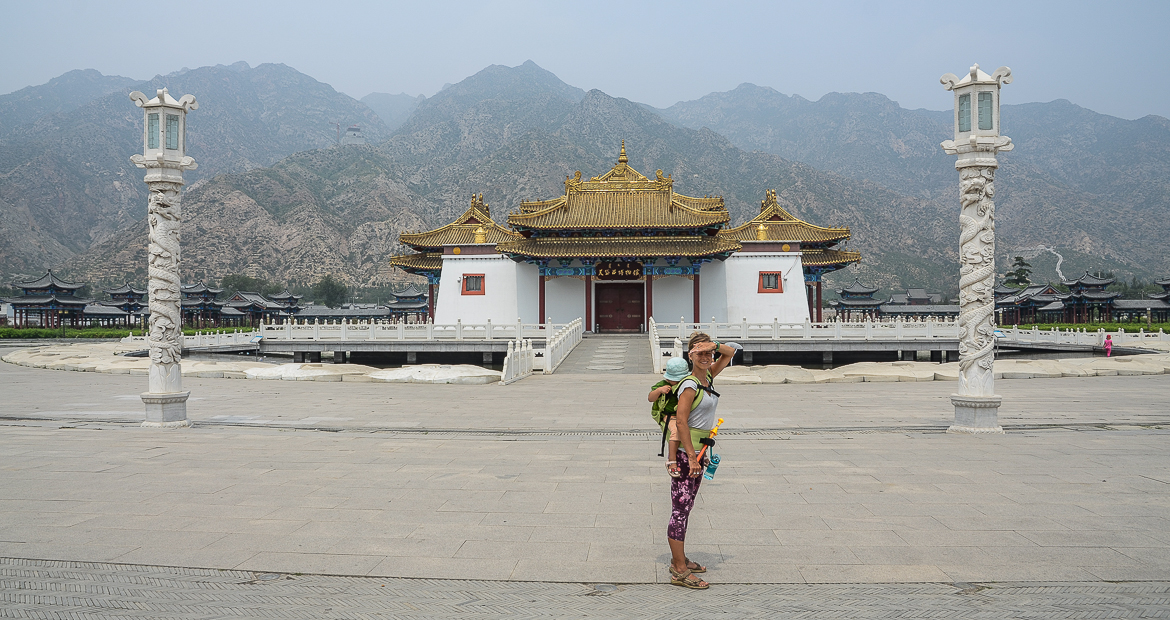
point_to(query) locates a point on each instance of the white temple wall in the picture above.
(673, 298)
(713, 291)
(564, 299)
(742, 286)
(528, 292)
(499, 301)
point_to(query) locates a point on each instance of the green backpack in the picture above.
(697, 434)
(662, 411)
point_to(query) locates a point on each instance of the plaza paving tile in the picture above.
(851, 483)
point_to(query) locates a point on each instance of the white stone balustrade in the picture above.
(519, 361)
(346, 330)
(832, 330)
(558, 347)
(1083, 336)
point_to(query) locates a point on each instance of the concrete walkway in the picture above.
(609, 354)
(82, 590)
(555, 479)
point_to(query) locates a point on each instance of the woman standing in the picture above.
(696, 411)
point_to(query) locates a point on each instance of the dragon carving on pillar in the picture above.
(976, 280)
(166, 318)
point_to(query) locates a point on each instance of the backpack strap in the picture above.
(666, 419)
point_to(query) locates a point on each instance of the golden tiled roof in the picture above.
(423, 261)
(620, 198)
(462, 231)
(780, 225)
(616, 247)
(825, 258)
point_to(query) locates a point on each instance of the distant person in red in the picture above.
(1108, 345)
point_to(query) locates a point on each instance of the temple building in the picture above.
(201, 309)
(857, 302)
(1087, 301)
(410, 305)
(619, 248)
(48, 301)
(127, 306)
(1038, 303)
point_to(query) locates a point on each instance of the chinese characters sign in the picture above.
(618, 270)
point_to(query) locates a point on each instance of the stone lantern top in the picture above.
(1002, 75)
(977, 129)
(164, 144)
(164, 98)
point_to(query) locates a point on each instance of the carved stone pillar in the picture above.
(164, 158)
(976, 404)
(977, 142)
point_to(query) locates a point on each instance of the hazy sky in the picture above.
(1110, 56)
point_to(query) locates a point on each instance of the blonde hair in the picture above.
(696, 338)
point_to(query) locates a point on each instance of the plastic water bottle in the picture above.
(709, 473)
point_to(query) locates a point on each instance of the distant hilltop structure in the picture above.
(353, 135)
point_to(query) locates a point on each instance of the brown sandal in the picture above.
(673, 469)
(697, 568)
(687, 579)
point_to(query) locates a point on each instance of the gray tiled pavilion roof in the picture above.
(283, 295)
(857, 288)
(48, 280)
(1143, 304)
(200, 289)
(125, 289)
(411, 290)
(1088, 280)
(40, 300)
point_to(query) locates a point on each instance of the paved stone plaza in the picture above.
(556, 479)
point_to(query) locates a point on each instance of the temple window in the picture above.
(965, 112)
(985, 111)
(473, 284)
(152, 131)
(173, 131)
(771, 282)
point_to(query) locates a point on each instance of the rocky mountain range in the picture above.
(66, 182)
(1092, 185)
(289, 206)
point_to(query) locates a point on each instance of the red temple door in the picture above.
(620, 307)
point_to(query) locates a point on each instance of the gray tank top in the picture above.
(703, 415)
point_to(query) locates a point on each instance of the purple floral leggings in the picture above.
(682, 498)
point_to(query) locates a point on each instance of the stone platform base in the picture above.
(976, 415)
(166, 410)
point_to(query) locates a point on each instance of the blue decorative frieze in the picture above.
(566, 271)
(669, 270)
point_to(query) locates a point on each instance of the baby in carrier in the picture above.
(665, 401)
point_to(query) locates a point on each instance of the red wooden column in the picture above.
(540, 318)
(808, 293)
(820, 306)
(649, 299)
(589, 303)
(431, 302)
(696, 290)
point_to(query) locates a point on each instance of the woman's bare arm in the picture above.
(726, 352)
(682, 415)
